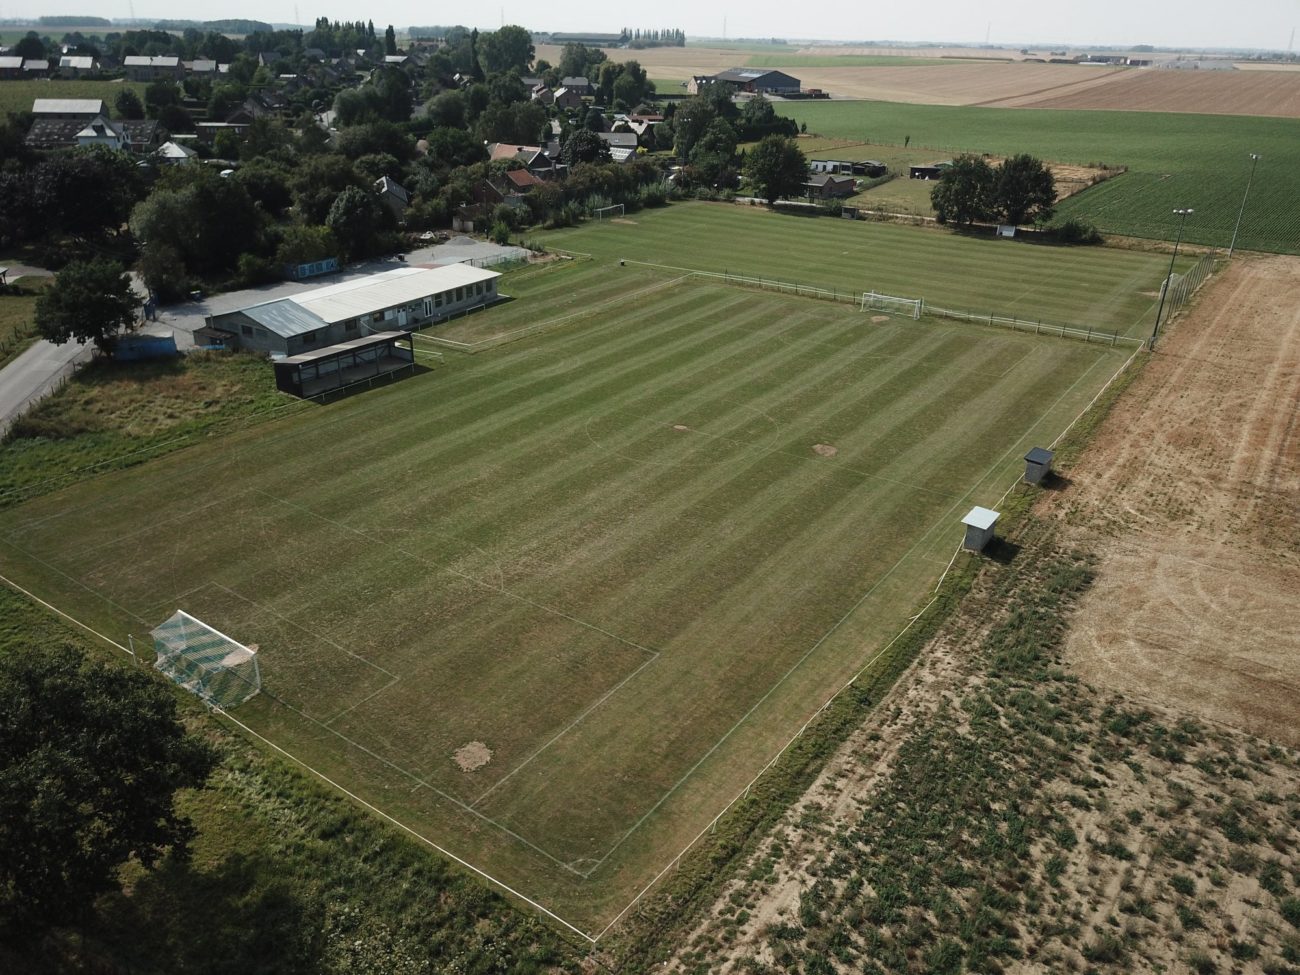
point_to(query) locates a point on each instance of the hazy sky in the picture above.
(1166, 23)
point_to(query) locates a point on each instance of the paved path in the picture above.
(35, 373)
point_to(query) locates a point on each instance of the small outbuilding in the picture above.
(979, 524)
(1038, 464)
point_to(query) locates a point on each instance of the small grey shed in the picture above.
(1038, 464)
(979, 524)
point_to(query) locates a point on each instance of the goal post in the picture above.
(892, 304)
(615, 210)
(206, 662)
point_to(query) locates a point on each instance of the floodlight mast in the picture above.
(1254, 161)
(1169, 279)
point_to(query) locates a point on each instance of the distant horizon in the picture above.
(1190, 25)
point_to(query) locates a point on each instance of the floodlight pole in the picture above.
(1254, 161)
(1169, 279)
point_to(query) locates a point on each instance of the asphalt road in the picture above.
(35, 373)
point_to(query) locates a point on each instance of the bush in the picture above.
(253, 270)
(1073, 230)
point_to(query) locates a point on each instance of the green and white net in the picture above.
(205, 661)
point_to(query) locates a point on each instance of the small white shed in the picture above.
(979, 524)
(1038, 464)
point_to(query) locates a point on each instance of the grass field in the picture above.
(1097, 287)
(1174, 160)
(17, 96)
(629, 557)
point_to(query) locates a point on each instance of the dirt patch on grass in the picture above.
(880, 319)
(622, 220)
(681, 427)
(472, 756)
(1188, 495)
(825, 450)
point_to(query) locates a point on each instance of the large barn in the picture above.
(406, 298)
(755, 81)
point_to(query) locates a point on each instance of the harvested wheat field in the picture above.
(1275, 94)
(1189, 495)
(958, 83)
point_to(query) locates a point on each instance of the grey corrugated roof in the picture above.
(1039, 455)
(89, 107)
(286, 318)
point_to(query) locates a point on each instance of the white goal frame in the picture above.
(614, 210)
(892, 304)
(207, 663)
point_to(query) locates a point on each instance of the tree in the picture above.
(507, 49)
(128, 104)
(965, 192)
(206, 219)
(85, 191)
(1024, 190)
(91, 759)
(578, 60)
(776, 167)
(583, 145)
(390, 40)
(355, 218)
(91, 301)
(30, 46)
(161, 94)
(448, 109)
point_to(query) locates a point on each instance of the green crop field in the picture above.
(553, 605)
(17, 96)
(1174, 160)
(1091, 287)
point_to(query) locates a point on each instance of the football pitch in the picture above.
(1085, 287)
(553, 605)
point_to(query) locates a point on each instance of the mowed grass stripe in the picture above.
(1092, 286)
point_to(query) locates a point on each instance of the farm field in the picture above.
(17, 96)
(553, 605)
(1269, 93)
(1103, 288)
(1172, 163)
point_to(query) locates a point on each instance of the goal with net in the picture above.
(604, 213)
(891, 304)
(205, 661)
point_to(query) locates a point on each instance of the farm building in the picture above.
(140, 67)
(829, 186)
(76, 65)
(867, 167)
(404, 298)
(11, 66)
(752, 80)
(355, 361)
(81, 109)
(933, 171)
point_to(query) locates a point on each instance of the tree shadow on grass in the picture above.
(239, 918)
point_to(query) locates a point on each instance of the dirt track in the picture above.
(1189, 494)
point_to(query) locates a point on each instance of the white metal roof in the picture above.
(69, 106)
(982, 518)
(80, 61)
(364, 296)
(11, 61)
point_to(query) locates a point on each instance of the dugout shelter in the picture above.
(359, 360)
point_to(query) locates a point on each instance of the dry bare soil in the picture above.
(1190, 497)
(997, 813)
